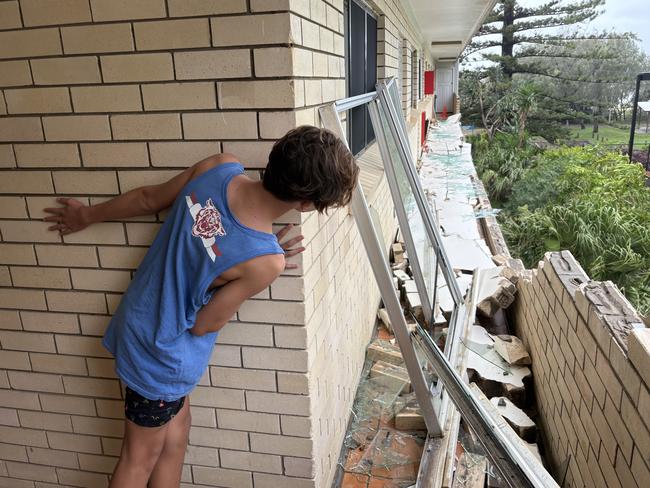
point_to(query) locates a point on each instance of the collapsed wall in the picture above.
(591, 370)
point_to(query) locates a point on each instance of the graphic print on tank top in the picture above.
(207, 224)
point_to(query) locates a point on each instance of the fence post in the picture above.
(639, 78)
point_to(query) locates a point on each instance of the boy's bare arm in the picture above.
(257, 274)
(74, 215)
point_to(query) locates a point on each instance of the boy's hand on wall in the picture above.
(287, 246)
(69, 218)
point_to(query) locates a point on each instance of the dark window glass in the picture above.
(362, 71)
(414, 79)
(419, 79)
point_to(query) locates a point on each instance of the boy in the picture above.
(215, 250)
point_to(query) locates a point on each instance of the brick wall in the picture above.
(591, 369)
(406, 76)
(393, 26)
(100, 96)
(398, 48)
(342, 297)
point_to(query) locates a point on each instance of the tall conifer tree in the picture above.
(526, 34)
(579, 75)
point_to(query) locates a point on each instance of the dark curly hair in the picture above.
(311, 165)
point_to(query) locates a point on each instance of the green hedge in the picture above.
(584, 199)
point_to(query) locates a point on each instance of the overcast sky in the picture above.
(622, 16)
(627, 15)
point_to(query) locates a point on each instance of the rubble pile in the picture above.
(384, 444)
(498, 362)
(387, 432)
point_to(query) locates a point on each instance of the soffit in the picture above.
(450, 25)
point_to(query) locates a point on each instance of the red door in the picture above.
(429, 82)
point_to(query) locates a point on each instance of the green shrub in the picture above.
(593, 203)
(500, 164)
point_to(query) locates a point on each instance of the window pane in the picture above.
(419, 79)
(361, 72)
(357, 121)
(371, 69)
(357, 59)
(425, 252)
(414, 76)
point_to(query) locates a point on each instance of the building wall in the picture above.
(591, 369)
(399, 45)
(339, 282)
(406, 76)
(98, 97)
(346, 299)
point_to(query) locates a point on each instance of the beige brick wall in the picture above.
(406, 75)
(345, 299)
(591, 358)
(398, 47)
(100, 96)
(341, 297)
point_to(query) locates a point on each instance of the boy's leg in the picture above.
(141, 449)
(167, 471)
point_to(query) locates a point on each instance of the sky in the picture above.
(621, 15)
(627, 15)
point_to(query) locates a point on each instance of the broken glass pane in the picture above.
(391, 454)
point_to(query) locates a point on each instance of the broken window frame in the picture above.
(515, 466)
(374, 249)
(388, 95)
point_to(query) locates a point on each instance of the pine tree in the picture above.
(522, 35)
(579, 75)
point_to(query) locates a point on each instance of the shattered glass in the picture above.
(376, 448)
(474, 458)
(373, 404)
(487, 352)
(485, 213)
(391, 454)
(430, 375)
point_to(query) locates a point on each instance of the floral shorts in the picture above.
(149, 413)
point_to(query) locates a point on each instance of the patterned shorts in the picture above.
(149, 413)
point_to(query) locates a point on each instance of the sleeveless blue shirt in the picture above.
(155, 353)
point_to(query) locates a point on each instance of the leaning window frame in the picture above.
(517, 467)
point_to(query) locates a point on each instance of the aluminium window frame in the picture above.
(518, 469)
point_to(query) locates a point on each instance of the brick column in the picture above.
(97, 98)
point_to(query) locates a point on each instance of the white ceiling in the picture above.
(453, 21)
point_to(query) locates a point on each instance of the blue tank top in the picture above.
(155, 353)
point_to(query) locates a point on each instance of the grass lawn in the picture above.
(609, 135)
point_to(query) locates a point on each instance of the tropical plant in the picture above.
(500, 163)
